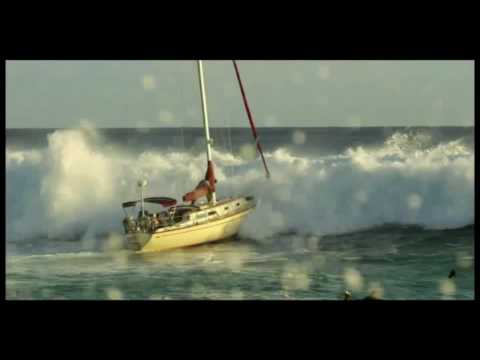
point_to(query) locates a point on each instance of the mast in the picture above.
(205, 120)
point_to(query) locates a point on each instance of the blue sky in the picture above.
(49, 94)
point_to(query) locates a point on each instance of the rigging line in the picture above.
(250, 118)
(175, 138)
(182, 135)
(229, 148)
(211, 89)
(224, 138)
(226, 132)
(179, 143)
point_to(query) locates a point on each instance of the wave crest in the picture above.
(80, 182)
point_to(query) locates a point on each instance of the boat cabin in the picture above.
(146, 221)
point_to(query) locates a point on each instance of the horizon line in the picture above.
(244, 127)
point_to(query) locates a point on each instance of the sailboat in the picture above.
(191, 223)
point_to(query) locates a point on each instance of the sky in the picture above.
(128, 94)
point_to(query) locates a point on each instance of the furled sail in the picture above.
(204, 187)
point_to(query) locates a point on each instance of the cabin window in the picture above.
(249, 198)
(238, 204)
(226, 208)
(212, 213)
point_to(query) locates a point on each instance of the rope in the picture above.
(179, 142)
(250, 118)
(229, 147)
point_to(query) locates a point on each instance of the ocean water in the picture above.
(358, 209)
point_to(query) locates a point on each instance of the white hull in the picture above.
(191, 225)
(221, 227)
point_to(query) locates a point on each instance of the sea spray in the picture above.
(78, 183)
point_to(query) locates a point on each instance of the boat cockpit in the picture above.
(149, 222)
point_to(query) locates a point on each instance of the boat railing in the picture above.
(153, 222)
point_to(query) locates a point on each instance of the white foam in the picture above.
(78, 182)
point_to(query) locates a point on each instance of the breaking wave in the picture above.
(78, 183)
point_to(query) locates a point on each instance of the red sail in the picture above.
(210, 176)
(250, 118)
(204, 187)
(200, 191)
